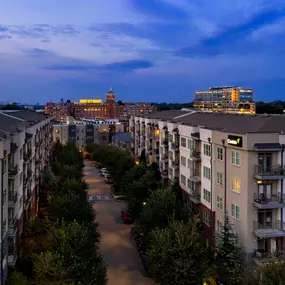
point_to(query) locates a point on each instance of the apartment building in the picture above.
(25, 149)
(225, 163)
(232, 99)
(88, 132)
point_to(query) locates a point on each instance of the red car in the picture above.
(126, 217)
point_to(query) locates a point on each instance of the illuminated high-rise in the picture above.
(226, 99)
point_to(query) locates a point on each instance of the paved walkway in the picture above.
(124, 264)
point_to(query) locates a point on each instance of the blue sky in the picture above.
(151, 50)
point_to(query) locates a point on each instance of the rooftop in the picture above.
(13, 121)
(233, 123)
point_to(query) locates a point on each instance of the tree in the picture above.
(74, 258)
(157, 209)
(177, 255)
(273, 273)
(230, 259)
(69, 171)
(17, 278)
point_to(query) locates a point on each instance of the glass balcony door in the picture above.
(265, 161)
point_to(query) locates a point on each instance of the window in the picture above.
(183, 179)
(220, 178)
(220, 153)
(206, 218)
(190, 144)
(207, 195)
(236, 185)
(207, 172)
(190, 185)
(183, 160)
(189, 163)
(219, 202)
(183, 142)
(219, 227)
(236, 158)
(170, 137)
(235, 212)
(207, 149)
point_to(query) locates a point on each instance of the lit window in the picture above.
(236, 185)
(104, 130)
(57, 131)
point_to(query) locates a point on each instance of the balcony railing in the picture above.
(195, 154)
(261, 257)
(272, 225)
(13, 170)
(195, 196)
(12, 227)
(195, 175)
(175, 146)
(156, 152)
(12, 198)
(27, 154)
(273, 199)
(165, 142)
(13, 147)
(164, 174)
(174, 164)
(261, 170)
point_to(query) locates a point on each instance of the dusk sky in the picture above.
(151, 50)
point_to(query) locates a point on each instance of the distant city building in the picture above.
(97, 109)
(226, 99)
(122, 140)
(88, 132)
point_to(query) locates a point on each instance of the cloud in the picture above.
(234, 39)
(40, 30)
(158, 8)
(125, 66)
(5, 37)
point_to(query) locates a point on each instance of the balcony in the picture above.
(156, 152)
(164, 158)
(269, 230)
(195, 175)
(269, 172)
(164, 142)
(261, 257)
(12, 228)
(195, 136)
(38, 161)
(195, 197)
(28, 196)
(12, 198)
(28, 176)
(174, 146)
(13, 147)
(27, 154)
(272, 202)
(164, 174)
(13, 170)
(195, 155)
(175, 164)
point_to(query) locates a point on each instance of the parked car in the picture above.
(126, 217)
(108, 179)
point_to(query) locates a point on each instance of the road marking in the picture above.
(100, 198)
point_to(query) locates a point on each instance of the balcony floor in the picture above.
(269, 233)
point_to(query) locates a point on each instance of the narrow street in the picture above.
(124, 264)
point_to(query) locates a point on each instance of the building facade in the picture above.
(225, 163)
(97, 109)
(226, 99)
(86, 133)
(122, 140)
(25, 150)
